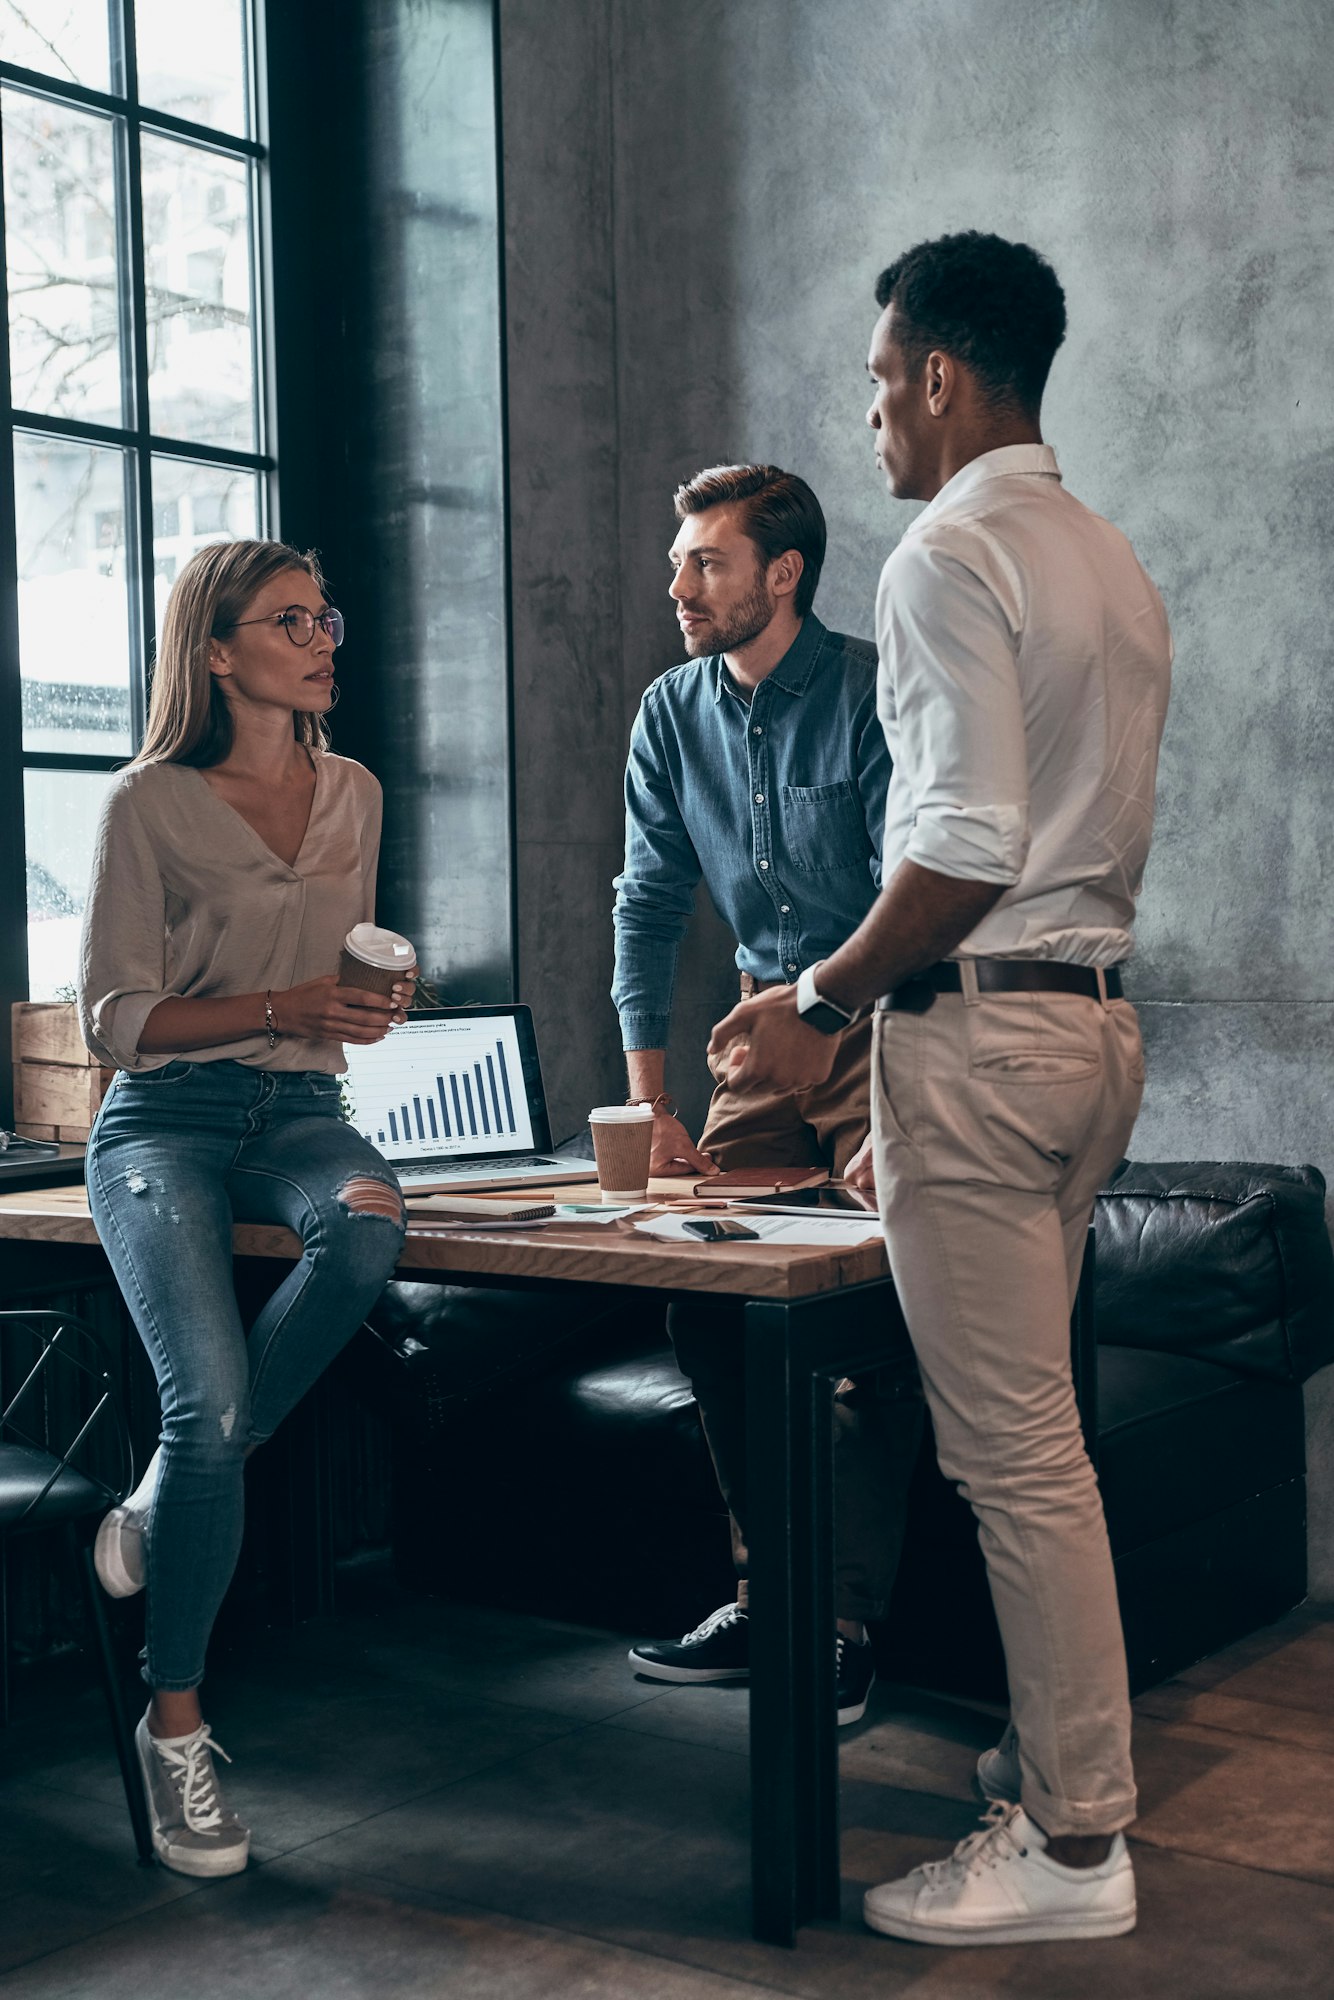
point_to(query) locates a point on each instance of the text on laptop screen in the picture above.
(442, 1087)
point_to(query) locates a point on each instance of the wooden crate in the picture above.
(58, 1084)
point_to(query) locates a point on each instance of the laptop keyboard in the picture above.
(466, 1169)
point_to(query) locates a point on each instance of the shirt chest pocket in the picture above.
(823, 827)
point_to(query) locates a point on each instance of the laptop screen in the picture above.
(451, 1082)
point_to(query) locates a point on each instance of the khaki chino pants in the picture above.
(996, 1120)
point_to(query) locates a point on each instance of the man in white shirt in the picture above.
(1024, 669)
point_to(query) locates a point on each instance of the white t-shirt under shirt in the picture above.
(1025, 663)
(186, 899)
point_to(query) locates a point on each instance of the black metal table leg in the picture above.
(793, 1352)
(815, 1717)
(772, 1498)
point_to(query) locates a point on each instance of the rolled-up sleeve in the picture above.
(655, 892)
(122, 953)
(372, 822)
(945, 626)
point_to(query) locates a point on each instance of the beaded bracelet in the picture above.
(269, 1021)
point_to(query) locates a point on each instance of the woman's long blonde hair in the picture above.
(189, 721)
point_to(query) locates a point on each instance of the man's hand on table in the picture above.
(764, 1044)
(674, 1152)
(860, 1170)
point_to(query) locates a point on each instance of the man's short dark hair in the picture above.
(998, 307)
(778, 510)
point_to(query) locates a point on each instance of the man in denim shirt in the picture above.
(759, 766)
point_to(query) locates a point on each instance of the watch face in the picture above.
(828, 1019)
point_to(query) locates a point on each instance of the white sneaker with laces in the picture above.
(118, 1552)
(1000, 1887)
(193, 1831)
(998, 1773)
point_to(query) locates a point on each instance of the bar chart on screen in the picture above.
(440, 1087)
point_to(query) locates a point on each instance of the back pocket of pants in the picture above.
(1022, 1038)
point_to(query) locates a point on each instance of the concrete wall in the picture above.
(704, 196)
(569, 721)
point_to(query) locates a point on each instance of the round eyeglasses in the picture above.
(299, 623)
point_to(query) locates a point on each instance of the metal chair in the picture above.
(66, 1391)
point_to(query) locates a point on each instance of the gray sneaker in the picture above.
(193, 1832)
(998, 1773)
(118, 1552)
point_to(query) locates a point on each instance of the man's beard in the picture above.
(744, 623)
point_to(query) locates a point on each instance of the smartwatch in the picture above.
(815, 1010)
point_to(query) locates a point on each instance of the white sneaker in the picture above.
(999, 1887)
(118, 1552)
(998, 1773)
(193, 1831)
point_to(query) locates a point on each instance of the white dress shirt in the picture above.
(1025, 662)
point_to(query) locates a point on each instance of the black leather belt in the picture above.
(1000, 975)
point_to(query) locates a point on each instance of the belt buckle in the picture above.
(915, 996)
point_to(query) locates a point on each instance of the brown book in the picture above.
(752, 1182)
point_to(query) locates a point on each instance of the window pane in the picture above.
(61, 809)
(192, 61)
(194, 505)
(62, 38)
(197, 257)
(74, 638)
(60, 242)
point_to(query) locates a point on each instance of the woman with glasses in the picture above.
(233, 856)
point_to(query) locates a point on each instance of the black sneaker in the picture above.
(856, 1678)
(717, 1650)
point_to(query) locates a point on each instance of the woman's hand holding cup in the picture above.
(368, 995)
(322, 1010)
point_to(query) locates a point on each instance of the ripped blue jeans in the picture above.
(176, 1155)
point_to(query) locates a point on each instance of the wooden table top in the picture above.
(612, 1253)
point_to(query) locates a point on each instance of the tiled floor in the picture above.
(450, 1803)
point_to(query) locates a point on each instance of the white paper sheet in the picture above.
(570, 1211)
(828, 1232)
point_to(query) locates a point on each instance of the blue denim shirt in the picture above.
(777, 801)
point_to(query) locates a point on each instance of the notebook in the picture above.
(454, 1100)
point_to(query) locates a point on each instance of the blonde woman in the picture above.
(232, 857)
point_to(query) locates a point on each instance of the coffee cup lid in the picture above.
(376, 947)
(619, 1114)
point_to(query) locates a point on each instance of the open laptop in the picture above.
(454, 1100)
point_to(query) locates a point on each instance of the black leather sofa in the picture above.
(549, 1455)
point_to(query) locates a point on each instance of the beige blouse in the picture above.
(186, 899)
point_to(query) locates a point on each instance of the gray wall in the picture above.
(390, 411)
(427, 483)
(697, 201)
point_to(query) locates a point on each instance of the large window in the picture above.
(134, 378)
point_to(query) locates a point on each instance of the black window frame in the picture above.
(137, 440)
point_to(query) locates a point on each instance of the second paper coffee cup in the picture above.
(376, 961)
(622, 1147)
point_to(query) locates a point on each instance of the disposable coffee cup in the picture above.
(377, 961)
(622, 1146)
